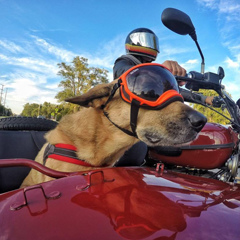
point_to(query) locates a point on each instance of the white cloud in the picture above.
(229, 7)
(169, 51)
(27, 77)
(108, 52)
(24, 88)
(231, 63)
(228, 13)
(60, 53)
(20, 91)
(232, 87)
(32, 76)
(212, 4)
(28, 89)
(222, 6)
(190, 64)
(34, 64)
(52, 86)
(10, 46)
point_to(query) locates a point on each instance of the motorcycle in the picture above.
(128, 202)
(215, 152)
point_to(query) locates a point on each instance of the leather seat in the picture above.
(18, 144)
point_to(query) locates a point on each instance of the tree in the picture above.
(78, 78)
(5, 111)
(210, 114)
(30, 110)
(47, 110)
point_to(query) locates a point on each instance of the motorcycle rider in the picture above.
(142, 47)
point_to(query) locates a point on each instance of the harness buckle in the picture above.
(48, 150)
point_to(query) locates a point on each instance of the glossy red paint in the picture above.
(211, 135)
(123, 203)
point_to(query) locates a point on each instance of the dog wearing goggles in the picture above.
(144, 104)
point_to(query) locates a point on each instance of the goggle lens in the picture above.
(150, 82)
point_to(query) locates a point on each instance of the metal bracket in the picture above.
(52, 195)
(159, 169)
(91, 180)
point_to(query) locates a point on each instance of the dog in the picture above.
(100, 143)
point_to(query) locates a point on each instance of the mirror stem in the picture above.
(203, 62)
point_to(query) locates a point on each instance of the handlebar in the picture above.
(212, 81)
(199, 83)
(196, 80)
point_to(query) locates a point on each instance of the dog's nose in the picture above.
(197, 120)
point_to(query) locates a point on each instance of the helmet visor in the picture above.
(145, 39)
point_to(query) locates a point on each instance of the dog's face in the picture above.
(169, 126)
(175, 124)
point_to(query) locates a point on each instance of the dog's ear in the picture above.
(94, 97)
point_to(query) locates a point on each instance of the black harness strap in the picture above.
(115, 88)
(135, 109)
(134, 114)
(51, 149)
(122, 129)
(66, 153)
(48, 150)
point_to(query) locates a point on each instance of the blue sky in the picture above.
(36, 35)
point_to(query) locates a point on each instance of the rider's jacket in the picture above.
(125, 62)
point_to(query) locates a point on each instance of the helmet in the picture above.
(142, 42)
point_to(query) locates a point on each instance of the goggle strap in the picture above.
(134, 114)
(114, 89)
(122, 129)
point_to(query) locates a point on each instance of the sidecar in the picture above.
(112, 203)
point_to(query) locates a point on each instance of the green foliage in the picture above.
(78, 78)
(47, 110)
(210, 114)
(30, 110)
(5, 111)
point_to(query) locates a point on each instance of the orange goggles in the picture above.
(151, 84)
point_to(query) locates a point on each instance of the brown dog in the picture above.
(100, 143)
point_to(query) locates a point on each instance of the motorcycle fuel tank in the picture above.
(211, 149)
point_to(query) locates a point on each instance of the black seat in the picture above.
(18, 144)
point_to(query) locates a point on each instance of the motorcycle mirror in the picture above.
(221, 73)
(178, 22)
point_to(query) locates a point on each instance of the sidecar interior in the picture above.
(18, 144)
(27, 144)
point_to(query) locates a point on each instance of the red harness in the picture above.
(65, 153)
